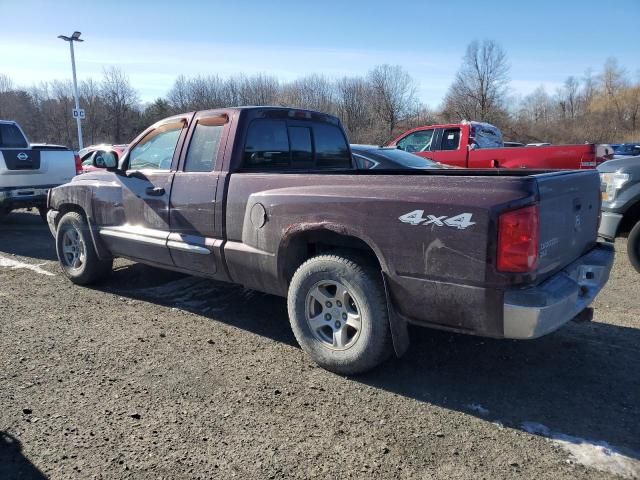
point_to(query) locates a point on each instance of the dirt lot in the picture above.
(158, 375)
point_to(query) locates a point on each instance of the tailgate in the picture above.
(569, 213)
(27, 167)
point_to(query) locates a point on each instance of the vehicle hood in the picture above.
(627, 165)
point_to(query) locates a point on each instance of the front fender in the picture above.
(77, 197)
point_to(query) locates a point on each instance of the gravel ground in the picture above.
(158, 375)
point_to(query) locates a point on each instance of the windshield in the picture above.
(404, 158)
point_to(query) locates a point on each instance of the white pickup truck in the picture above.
(28, 171)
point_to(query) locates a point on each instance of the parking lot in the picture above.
(158, 375)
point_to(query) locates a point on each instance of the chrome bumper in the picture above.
(536, 311)
(609, 223)
(23, 197)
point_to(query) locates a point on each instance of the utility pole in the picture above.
(77, 113)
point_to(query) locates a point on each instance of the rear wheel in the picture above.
(633, 246)
(76, 254)
(338, 313)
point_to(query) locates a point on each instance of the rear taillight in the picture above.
(518, 240)
(78, 164)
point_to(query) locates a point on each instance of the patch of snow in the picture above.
(476, 407)
(15, 264)
(596, 454)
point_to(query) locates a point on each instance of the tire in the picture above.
(348, 287)
(633, 246)
(76, 252)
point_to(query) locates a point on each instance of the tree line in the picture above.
(374, 107)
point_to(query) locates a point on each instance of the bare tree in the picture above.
(258, 89)
(120, 101)
(6, 84)
(178, 96)
(353, 97)
(394, 94)
(93, 128)
(479, 89)
(569, 98)
(314, 92)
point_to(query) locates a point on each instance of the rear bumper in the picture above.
(609, 223)
(23, 197)
(536, 311)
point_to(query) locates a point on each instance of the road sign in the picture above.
(78, 113)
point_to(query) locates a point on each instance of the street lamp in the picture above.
(75, 37)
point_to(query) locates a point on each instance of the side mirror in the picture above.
(108, 160)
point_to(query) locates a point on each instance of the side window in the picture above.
(331, 147)
(364, 163)
(11, 137)
(450, 139)
(267, 144)
(204, 145)
(275, 145)
(155, 151)
(417, 141)
(301, 149)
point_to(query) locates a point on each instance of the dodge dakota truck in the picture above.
(27, 171)
(270, 198)
(480, 145)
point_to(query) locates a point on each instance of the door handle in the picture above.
(155, 191)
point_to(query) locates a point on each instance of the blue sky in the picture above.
(154, 41)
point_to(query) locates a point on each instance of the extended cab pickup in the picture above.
(28, 171)
(270, 198)
(480, 145)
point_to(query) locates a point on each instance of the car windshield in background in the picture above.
(628, 150)
(399, 157)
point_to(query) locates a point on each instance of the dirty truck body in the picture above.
(269, 198)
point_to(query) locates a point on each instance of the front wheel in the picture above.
(78, 258)
(633, 246)
(338, 313)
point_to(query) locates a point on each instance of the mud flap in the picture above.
(101, 251)
(397, 324)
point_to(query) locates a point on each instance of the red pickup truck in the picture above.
(480, 145)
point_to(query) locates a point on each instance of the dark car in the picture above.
(621, 203)
(627, 150)
(373, 157)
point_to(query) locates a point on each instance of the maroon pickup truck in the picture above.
(270, 198)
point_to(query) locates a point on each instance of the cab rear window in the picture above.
(277, 144)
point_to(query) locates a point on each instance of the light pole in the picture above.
(75, 37)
